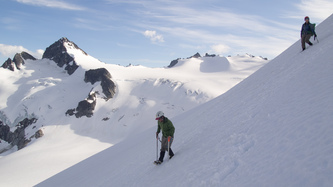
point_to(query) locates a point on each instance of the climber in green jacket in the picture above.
(168, 131)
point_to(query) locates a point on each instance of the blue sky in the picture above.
(153, 33)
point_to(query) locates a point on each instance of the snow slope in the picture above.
(43, 90)
(273, 129)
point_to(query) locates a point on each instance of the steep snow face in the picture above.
(272, 129)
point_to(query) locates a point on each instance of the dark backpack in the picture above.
(313, 27)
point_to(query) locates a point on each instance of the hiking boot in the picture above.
(161, 156)
(310, 43)
(171, 154)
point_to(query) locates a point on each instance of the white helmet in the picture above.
(159, 114)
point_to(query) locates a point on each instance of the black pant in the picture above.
(163, 153)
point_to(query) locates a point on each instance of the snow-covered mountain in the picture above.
(83, 106)
(273, 129)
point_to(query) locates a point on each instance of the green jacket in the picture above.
(167, 127)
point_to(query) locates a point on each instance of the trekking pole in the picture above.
(314, 39)
(157, 147)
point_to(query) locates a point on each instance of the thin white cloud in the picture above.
(220, 48)
(11, 23)
(175, 13)
(193, 47)
(153, 36)
(233, 31)
(268, 46)
(91, 25)
(317, 9)
(215, 28)
(52, 4)
(8, 51)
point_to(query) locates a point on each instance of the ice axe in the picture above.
(169, 138)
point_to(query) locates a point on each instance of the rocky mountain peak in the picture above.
(9, 64)
(58, 53)
(20, 57)
(196, 55)
(174, 62)
(17, 61)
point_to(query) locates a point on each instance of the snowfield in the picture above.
(44, 91)
(272, 129)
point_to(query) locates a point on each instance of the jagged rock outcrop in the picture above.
(17, 61)
(17, 138)
(85, 107)
(58, 53)
(20, 57)
(9, 64)
(103, 75)
(173, 63)
(208, 55)
(27, 56)
(196, 55)
(39, 134)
